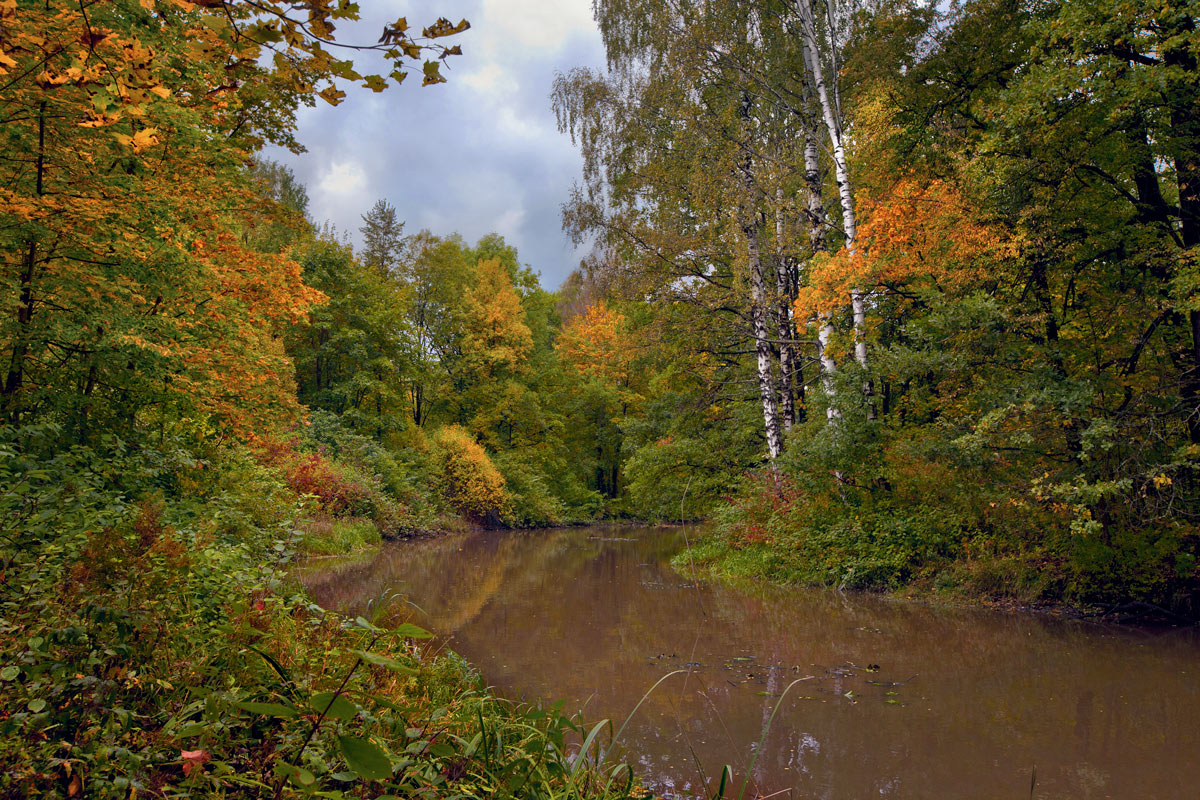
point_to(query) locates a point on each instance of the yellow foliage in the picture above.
(595, 344)
(469, 479)
(496, 337)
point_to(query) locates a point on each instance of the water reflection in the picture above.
(893, 699)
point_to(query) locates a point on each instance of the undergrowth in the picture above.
(150, 647)
(946, 535)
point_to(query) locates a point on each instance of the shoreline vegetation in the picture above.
(782, 548)
(156, 646)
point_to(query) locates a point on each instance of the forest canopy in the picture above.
(950, 254)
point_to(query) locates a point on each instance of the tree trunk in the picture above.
(831, 111)
(783, 312)
(818, 227)
(1185, 130)
(762, 340)
(749, 221)
(20, 348)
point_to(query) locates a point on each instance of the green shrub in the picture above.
(149, 647)
(530, 501)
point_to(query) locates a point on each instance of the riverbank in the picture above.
(151, 646)
(968, 572)
(356, 536)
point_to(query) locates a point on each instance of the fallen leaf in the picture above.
(193, 760)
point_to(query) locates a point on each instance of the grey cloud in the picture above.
(455, 157)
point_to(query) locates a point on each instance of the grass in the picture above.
(329, 536)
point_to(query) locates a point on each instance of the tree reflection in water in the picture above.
(904, 700)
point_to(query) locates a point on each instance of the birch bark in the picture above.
(786, 294)
(831, 111)
(818, 226)
(749, 222)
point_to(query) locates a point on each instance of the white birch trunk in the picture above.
(787, 400)
(828, 367)
(749, 223)
(762, 341)
(833, 123)
(817, 242)
(832, 112)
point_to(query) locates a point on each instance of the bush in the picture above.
(530, 501)
(663, 483)
(149, 647)
(402, 472)
(338, 490)
(468, 479)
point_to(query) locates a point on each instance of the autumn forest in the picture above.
(890, 295)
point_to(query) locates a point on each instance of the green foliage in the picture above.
(531, 501)
(775, 529)
(403, 472)
(152, 646)
(352, 352)
(689, 472)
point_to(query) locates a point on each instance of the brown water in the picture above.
(901, 700)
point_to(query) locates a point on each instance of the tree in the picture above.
(351, 353)
(130, 286)
(382, 240)
(435, 274)
(694, 122)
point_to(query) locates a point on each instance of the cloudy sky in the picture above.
(480, 153)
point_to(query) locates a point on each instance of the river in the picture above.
(889, 698)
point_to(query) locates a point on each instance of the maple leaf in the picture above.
(147, 137)
(432, 75)
(444, 27)
(332, 95)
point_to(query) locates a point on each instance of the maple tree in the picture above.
(596, 344)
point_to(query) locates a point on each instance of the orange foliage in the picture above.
(918, 231)
(595, 344)
(131, 208)
(254, 384)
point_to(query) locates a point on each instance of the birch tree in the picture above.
(688, 124)
(816, 54)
